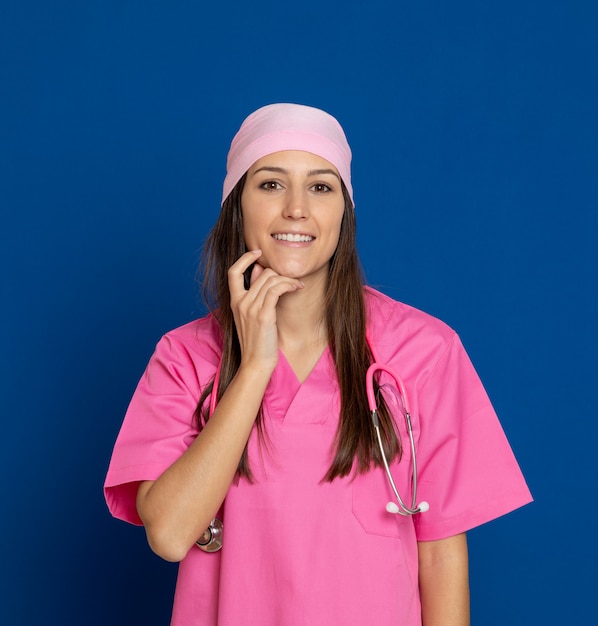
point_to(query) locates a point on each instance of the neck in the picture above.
(301, 318)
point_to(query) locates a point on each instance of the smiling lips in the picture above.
(293, 237)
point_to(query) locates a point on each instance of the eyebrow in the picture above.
(282, 170)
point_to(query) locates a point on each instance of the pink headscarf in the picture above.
(277, 127)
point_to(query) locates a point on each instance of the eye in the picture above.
(270, 185)
(321, 188)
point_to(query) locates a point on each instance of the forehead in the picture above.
(294, 161)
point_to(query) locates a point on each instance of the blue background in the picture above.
(474, 130)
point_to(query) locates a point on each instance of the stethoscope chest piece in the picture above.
(211, 540)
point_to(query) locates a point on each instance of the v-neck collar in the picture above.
(288, 399)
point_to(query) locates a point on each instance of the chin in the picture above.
(290, 272)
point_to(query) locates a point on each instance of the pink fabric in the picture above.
(298, 551)
(277, 127)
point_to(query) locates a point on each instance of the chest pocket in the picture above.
(370, 493)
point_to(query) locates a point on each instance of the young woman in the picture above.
(256, 417)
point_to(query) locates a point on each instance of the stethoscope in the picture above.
(211, 539)
(399, 506)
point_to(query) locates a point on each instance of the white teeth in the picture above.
(292, 237)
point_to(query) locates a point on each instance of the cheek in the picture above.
(254, 227)
(335, 229)
(249, 228)
(251, 241)
(255, 234)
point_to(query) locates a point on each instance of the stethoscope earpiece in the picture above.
(422, 507)
(391, 507)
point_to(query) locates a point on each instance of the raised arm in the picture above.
(177, 508)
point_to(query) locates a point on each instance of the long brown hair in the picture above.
(345, 313)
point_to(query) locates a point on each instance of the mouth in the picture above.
(292, 237)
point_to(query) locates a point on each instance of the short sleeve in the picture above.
(159, 424)
(466, 468)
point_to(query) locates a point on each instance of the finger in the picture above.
(263, 278)
(236, 283)
(256, 272)
(271, 293)
(269, 286)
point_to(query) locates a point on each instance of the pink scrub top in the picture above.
(297, 550)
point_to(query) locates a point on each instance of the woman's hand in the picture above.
(254, 309)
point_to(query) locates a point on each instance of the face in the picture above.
(293, 207)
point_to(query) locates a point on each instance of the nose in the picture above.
(297, 204)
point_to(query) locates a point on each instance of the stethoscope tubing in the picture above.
(401, 508)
